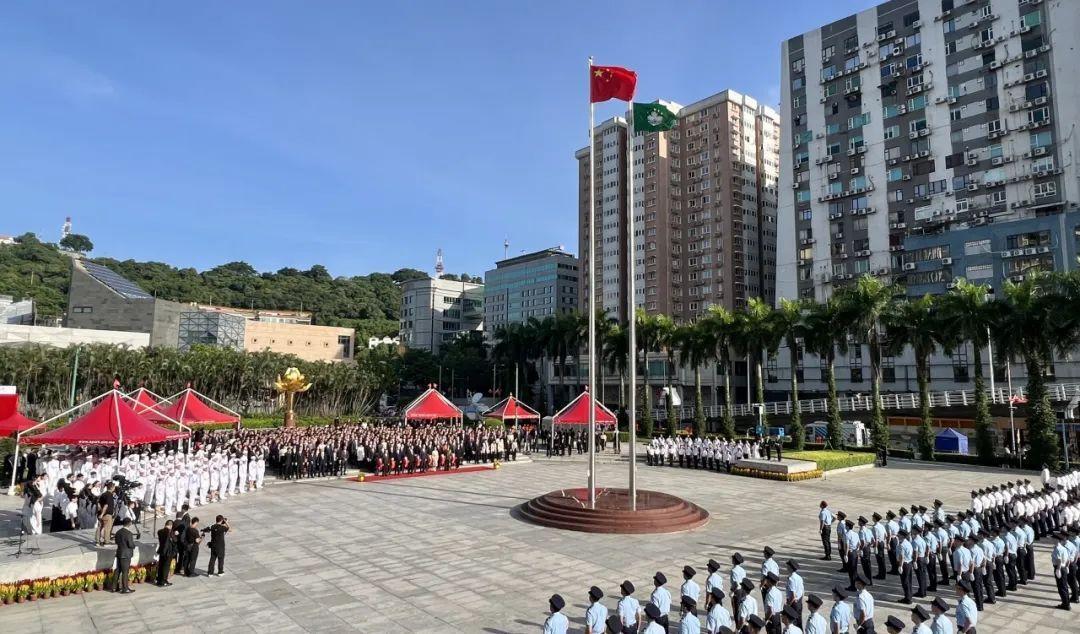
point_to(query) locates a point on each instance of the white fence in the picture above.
(862, 402)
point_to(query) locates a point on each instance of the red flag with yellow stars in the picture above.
(611, 82)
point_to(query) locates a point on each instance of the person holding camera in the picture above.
(217, 545)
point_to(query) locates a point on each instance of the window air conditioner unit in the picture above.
(972, 161)
(909, 266)
(907, 177)
(946, 261)
(1039, 151)
(972, 187)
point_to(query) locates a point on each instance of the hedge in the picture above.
(832, 460)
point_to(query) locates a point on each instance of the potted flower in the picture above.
(140, 574)
(7, 593)
(23, 593)
(87, 581)
(99, 580)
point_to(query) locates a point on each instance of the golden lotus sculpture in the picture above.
(290, 384)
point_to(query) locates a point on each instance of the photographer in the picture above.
(217, 545)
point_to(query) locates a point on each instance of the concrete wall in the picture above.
(311, 343)
(11, 334)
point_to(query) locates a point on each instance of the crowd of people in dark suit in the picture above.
(312, 452)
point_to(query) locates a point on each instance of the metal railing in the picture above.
(862, 402)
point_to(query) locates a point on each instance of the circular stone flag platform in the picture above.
(569, 509)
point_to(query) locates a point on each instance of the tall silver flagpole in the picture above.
(631, 309)
(592, 298)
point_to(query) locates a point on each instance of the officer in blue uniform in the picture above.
(715, 580)
(628, 608)
(920, 618)
(906, 557)
(840, 617)
(661, 599)
(652, 620)
(690, 588)
(881, 541)
(866, 548)
(796, 589)
(967, 614)
(738, 573)
(689, 624)
(596, 615)
(815, 623)
(557, 623)
(773, 600)
(825, 520)
(864, 607)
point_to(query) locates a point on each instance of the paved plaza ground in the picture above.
(443, 554)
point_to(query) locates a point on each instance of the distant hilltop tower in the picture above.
(506, 248)
(66, 231)
(438, 264)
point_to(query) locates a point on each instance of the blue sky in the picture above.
(360, 135)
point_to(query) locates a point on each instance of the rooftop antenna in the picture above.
(66, 230)
(438, 264)
(506, 247)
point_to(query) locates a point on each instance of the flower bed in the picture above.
(47, 587)
(776, 475)
(831, 460)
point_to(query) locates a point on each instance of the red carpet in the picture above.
(427, 474)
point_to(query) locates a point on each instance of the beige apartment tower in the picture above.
(705, 199)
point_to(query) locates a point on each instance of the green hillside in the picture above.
(369, 303)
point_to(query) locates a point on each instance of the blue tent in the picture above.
(951, 441)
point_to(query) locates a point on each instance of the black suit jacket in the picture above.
(125, 543)
(166, 543)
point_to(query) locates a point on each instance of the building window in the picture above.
(345, 342)
(960, 365)
(857, 375)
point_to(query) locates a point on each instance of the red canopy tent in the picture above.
(432, 405)
(576, 412)
(512, 409)
(111, 422)
(188, 408)
(12, 423)
(143, 400)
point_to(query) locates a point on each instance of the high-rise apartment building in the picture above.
(926, 140)
(705, 201)
(435, 311)
(539, 284)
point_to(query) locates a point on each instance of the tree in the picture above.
(756, 335)
(1029, 324)
(666, 336)
(866, 302)
(966, 315)
(721, 326)
(826, 334)
(648, 340)
(77, 242)
(616, 355)
(916, 323)
(696, 347)
(789, 323)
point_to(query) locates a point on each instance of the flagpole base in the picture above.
(568, 509)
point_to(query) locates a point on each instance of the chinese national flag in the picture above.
(611, 82)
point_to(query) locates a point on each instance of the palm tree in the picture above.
(866, 303)
(648, 340)
(916, 323)
(696, 347)
(826, 335)
(789, 322)
(966, 314)
(616, 356)
(720, 323)
(667, 334)
(756, 335)
(605, 325)
(1028, 324)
